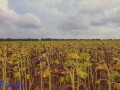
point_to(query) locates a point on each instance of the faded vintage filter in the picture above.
(59, 44)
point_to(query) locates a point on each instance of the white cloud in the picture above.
(64, 18)
(4, 4)
(12, 24)
(43, 3)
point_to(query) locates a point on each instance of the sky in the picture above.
(65, 19)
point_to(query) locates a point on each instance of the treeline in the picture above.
(49, 39)
(10, 39)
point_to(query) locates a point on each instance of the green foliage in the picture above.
(87, 64)
(69, 63)
(112, 76)
(84, 56)
(81, 73)
(15, 57)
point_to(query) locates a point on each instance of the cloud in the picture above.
(72, 23)
(99, 23)
(109, 18)
(43, 3)
(28, 21)
(60, 18)
(112, 16)
(11, 21)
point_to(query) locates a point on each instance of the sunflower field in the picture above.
(60, 65)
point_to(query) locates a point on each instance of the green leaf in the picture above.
(43, 64)
(69, 63)
(15, 57)
(82, 74)
(87, 64)
(84, 56)
(118, 62)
